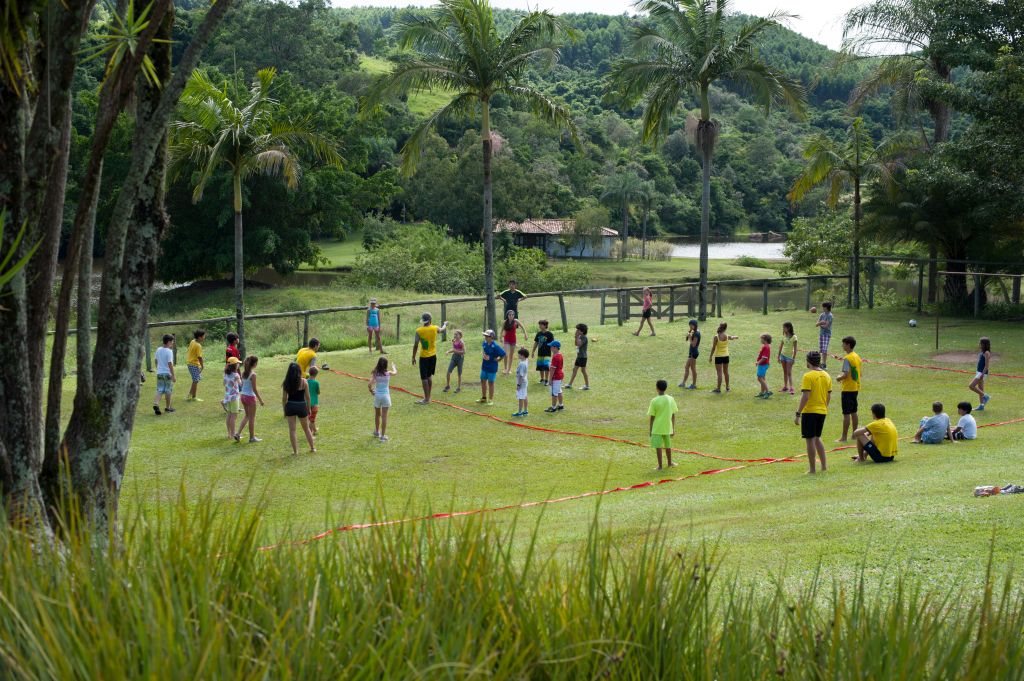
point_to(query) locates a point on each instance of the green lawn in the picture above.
(420, 103)
(341, 252)
(640, 272)
(768, 519)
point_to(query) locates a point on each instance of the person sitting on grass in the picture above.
(878, 439)
(662, 422)
(815, 394)
(966, 427)
(492, 353)
(935, 428)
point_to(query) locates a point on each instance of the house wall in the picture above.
(556, 250)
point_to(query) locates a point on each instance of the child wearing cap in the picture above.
(557, 374)
(492, 354)
(232, 392)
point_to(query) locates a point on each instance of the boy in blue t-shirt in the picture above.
(492, 353)
(935, 428)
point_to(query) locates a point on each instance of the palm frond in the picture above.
(460, 105)
(277, 160)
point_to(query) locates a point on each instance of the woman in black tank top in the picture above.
(295, 400)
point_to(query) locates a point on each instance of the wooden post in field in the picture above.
(920, 285)
(718, 298)
(444, 318)
(305, 329)
(764, 297)
(690, 295)
(149, 351)
(807, 297)
(618, 308)
(398, 328)
(671, 304)
(298, 335)
(603, 301)
(1015, 291)
(977, 295)
(658, 304)
(561, 308)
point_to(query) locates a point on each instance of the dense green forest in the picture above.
(326, 57)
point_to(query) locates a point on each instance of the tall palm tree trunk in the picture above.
(239, 268)
(856, 239)
(705, 231)
(625, 228)
(488, 230)
(643, 237)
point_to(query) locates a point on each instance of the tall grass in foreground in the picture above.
(193, 598)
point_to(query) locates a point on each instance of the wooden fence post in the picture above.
(807, 297)
(718, 298)
(398, 328)
(671, 304)
(604, 297)
(871, 285)
(561, 308)
(298, 334)
(1015, 290)
(658, 304)
(149, 351)
(690, 295)
(444, 318)
(764, 297)
(305, 328)
(618, 308)
(920, 285)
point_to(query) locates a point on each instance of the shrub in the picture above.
(751, 261)
(377, 230)
(655, 250)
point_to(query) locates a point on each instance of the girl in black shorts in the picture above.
(295, 400)
(693, 341)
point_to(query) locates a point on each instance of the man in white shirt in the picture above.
(165, 378)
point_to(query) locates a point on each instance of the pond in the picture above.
(729, 250)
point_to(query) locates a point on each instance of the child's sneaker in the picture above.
(490, 403)
(376, 434)
(693, 386)
(586, 387)
(156, 410)
(985, 398)
(384, 438)
(768, 394)
(458, 390)
(197, 399)
(980, 407)
(525, 413)
(516, 414)
(551, 410)
(482, 400)
(255, 439)
(681, 384)
(446, 389)
(567, 387)
(560, 407)
(717, 390)
(169, 410)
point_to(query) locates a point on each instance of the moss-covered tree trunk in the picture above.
(239, 263)
(488, 223)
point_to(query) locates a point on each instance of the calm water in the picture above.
(730, 250)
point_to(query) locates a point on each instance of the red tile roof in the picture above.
(544, 226)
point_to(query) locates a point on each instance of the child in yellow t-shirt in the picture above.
(194, 362)
(815, 393)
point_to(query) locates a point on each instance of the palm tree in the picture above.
(646, 198)
(911, 27)
(847, 164)
(248, 134)
(688, 46)
(457, 49)
(620, 190)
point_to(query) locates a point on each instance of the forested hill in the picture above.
(326, 56)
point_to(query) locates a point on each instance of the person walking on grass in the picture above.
(425, 343)
(489, 364)
(693, 352)
(646, 313)
(787, 356)
(523, 383)
(661, 426)
(878, 440)
(511, 297)
(764, 360)
(815, 395)
(249, 395)
(720, 355)
(581, 358)
(295, 400)
(824, 325)
(849, 380)
(232, 348)
(557, 374)
(165, 378)
(194, 362)
(984, 364)
(380, 388)
(542, 349)
(314, 398)
(510, 339)
(232, 391)
(306, 357)
(458, 353)
(373, 327)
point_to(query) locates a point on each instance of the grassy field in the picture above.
(341, 253)
(420, 103)
(768, 519)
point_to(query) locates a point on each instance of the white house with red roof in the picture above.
(556, 238)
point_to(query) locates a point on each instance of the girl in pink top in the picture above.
(509, 338)
(764, 358)
(648, 311)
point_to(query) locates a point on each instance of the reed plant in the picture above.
(188, 595)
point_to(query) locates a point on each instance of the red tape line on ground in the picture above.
(592, 436)
(532, 504)
(927, 366)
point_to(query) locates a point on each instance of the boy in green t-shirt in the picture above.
(662, 425)
(314, 397)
